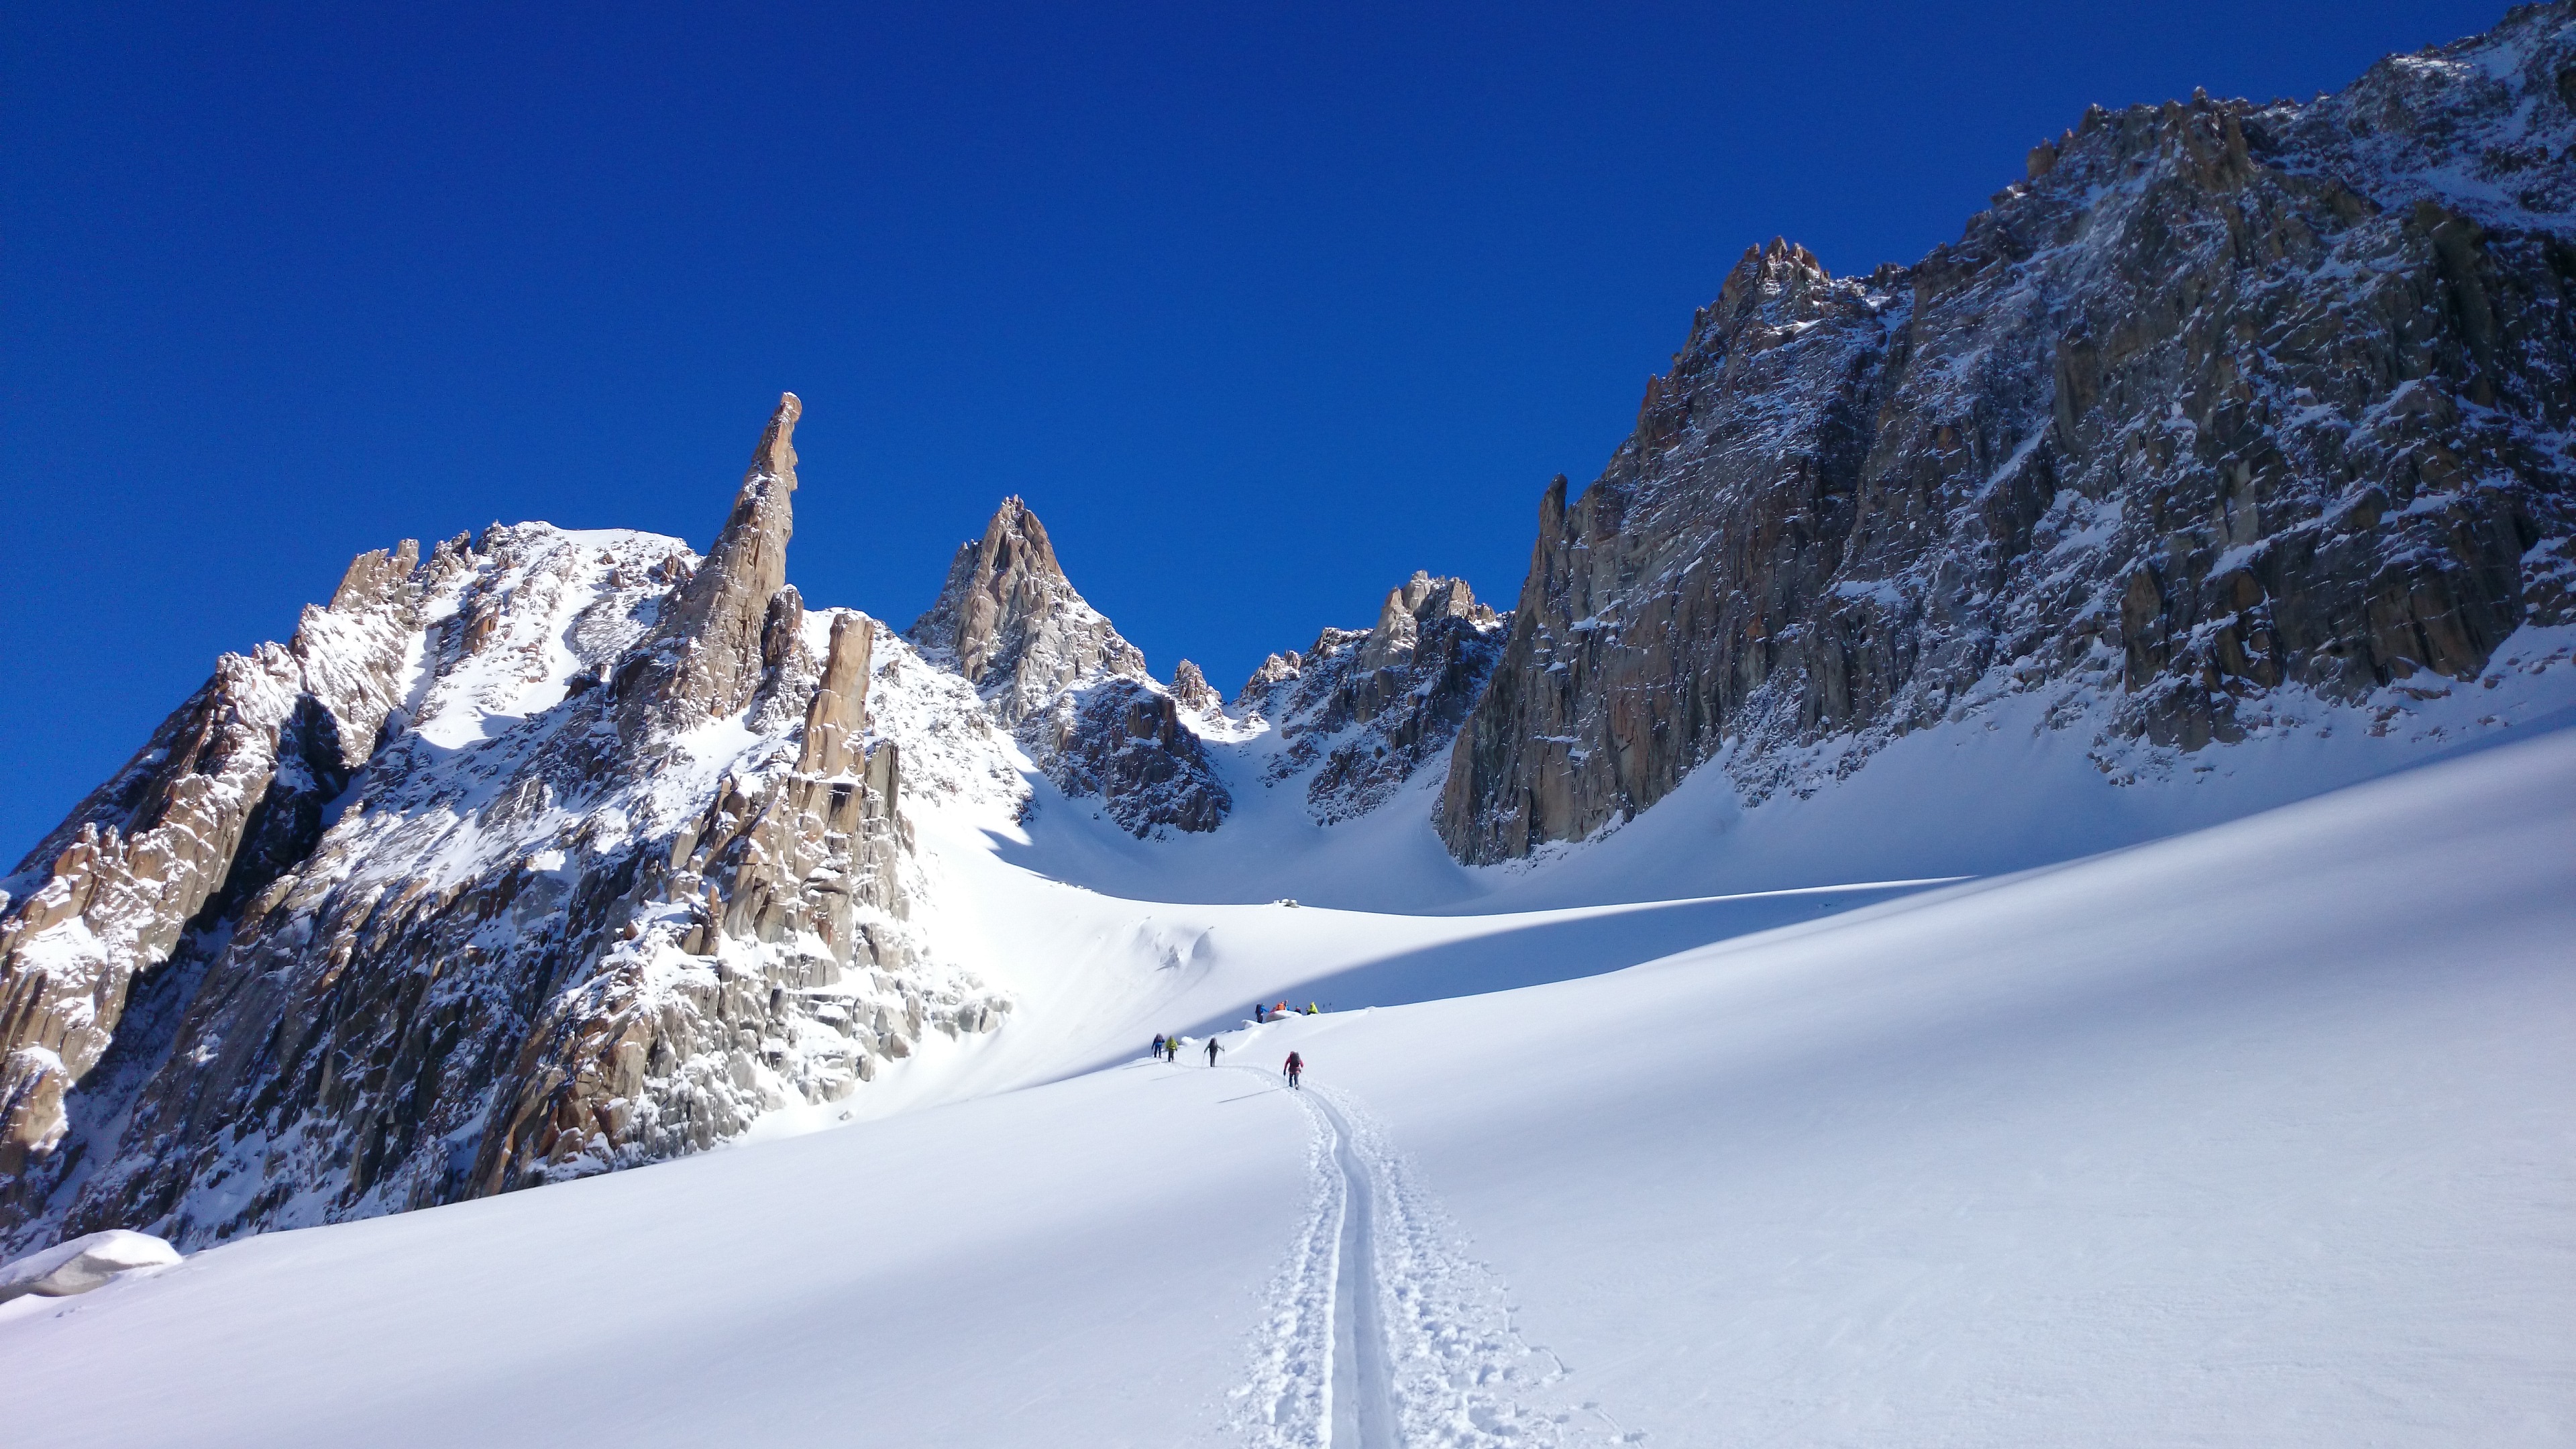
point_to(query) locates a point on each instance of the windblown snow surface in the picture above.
(2259, 1134)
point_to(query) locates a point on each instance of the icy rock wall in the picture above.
(2222, 406)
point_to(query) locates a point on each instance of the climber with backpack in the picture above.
(1295, 1068)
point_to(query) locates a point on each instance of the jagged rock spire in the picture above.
(1014, 624)
(1413, 606)
(1364, 709)
(712, 657)
(723, 605)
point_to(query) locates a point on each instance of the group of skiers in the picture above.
(1261, 1013)
(1167, 1045)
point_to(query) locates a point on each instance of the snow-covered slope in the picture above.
(2253, 1136)
(554, 853)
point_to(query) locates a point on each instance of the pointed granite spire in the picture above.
(714, 624)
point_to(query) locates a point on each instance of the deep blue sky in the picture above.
(1261, 306)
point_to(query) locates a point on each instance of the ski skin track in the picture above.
(1363, 1397)
(1359, 1388)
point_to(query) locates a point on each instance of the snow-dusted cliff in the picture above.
(2225, 416)
(549, 853)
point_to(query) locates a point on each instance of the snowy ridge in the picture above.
(593, 892)
(1363, 711)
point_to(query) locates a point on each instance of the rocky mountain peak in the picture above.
(454, 894)
(1015, 626)
(1055, 671)
(1275, 670)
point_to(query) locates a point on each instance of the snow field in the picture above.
(2259, 1135)
(1081, 1265)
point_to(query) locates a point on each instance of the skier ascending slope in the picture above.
(1295, 1068)
(1211, 1051)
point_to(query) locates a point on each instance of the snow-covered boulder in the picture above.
(82, 1264)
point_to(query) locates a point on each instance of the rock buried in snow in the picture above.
(82, 1264)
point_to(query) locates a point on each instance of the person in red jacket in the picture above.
(1296, 1068)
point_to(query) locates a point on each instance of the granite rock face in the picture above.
(228, 794)
(2226, 405)
(1056, 672)
(1363, 710)
(619, 864)
(710, 651)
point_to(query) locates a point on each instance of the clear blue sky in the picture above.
(1262, 306)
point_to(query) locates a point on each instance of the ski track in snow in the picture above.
(1381, 1332)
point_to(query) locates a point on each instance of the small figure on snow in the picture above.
(1158, 1043)
(1211, 1051)
(1296, 1068)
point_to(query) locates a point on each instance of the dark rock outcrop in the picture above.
(2225, 404)
(1130, 748)
(1363, 710)
(1191, 690)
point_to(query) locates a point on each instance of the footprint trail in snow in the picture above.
(1381, 1333)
